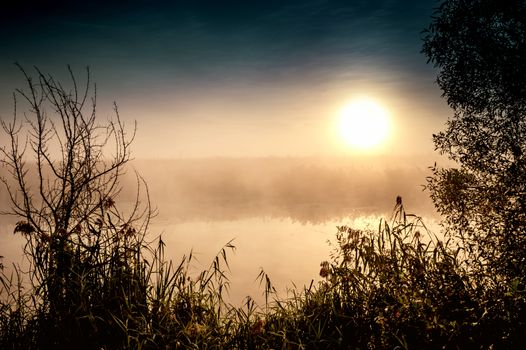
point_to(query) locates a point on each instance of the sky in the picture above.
(259, 84)
(235, 78)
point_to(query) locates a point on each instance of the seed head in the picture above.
(325, 269)
(24, 227)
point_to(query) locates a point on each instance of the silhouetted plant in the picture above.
(398, 286)
(478, 47)
(84, 254)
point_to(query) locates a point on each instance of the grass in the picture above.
(394, 287)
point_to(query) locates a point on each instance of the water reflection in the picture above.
(280, 212)
(289, 251)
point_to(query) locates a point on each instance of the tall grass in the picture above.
(398, 286)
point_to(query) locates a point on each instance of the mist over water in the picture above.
(280, 212)
(307, 190)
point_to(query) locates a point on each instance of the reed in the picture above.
(395, 287)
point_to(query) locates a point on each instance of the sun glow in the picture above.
(363, 124)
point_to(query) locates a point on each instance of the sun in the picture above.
(363, 124)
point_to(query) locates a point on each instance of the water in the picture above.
(280, 213)
(289, 251)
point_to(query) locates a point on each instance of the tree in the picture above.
(85, 255)
(479, 48)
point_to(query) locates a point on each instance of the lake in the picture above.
(280, 213)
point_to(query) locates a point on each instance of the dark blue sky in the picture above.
(224, 38)
(275, 53)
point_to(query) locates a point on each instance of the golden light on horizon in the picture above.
(363, 124)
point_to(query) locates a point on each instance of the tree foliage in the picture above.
(479, 49)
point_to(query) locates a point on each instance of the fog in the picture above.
(280, 211)
(306, 190)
